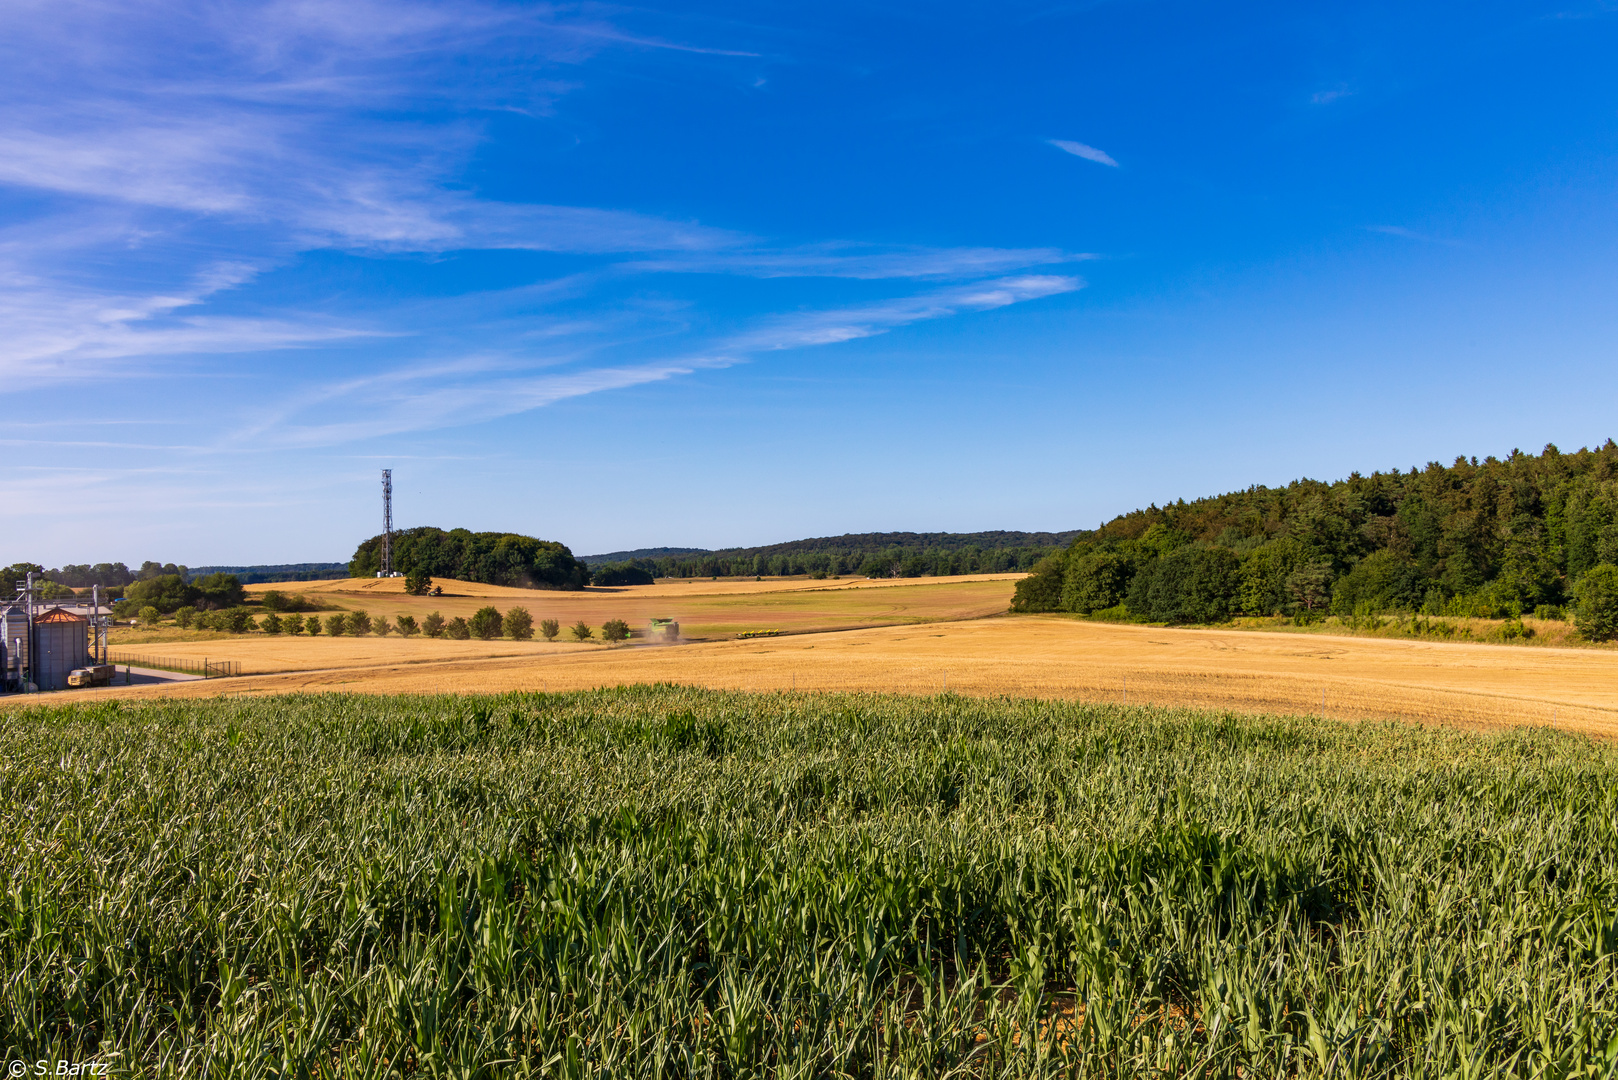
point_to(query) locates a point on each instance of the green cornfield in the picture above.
(657, 881)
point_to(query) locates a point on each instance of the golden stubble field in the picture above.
(704, 609)
(1026, 656)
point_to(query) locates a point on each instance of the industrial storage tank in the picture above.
(14, 649)
(61, 643)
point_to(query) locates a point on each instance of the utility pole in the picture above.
(387, 524)
(28, 614)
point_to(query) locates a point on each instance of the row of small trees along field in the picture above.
(485, 624)
(1498, 538)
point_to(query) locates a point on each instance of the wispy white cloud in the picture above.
(579, 230)
(1087, 152)
(866, 320)
(52, 331)
(264, 133)
(1410, 234)
(861, 262)
(482, 387)
(1326, 97)
(429, 397)
(166, 135)
(273, 122)
(654, 43)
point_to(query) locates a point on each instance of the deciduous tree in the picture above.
(165, 593)
(1096, 581)
(238, 620)
(220, 590)
(486, 623)
(1596, 597)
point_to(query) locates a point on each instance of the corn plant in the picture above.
(663, 882)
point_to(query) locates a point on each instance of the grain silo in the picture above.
(61, 643)
(13, 645)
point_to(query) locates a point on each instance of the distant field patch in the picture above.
(702, 608)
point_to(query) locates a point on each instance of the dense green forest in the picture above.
(900, 554)
(620, 574)
(1497, 538)
(492, 558)
(639, 553)
(247, 575)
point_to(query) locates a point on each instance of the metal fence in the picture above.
(208, 669)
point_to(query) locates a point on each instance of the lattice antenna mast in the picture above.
(387, 523)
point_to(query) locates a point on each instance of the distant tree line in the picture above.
(249, 575)
(865, 555)
(492, 558)
(1499, 538)
(620, 574)
(639, 553)
(59, 583)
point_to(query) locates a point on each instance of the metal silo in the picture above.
(61, 643)
(14, 628)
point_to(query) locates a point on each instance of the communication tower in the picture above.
(387, 524)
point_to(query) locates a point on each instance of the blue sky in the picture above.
(715, 274)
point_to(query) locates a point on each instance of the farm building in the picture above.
(41, 647)
(62, 643)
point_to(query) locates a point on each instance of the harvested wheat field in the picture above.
(704, 609)
(665, 587)
(1034, 656)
